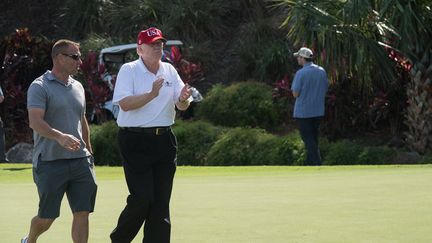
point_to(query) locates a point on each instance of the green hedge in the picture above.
(342, 153)
(238, 146)
(251, 146)
(194, 141)
(427, 159)
(293, 149)
(348, 153)
(377, 155)
(104, 142)
(240, 104)
(201, 143)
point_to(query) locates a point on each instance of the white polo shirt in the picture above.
(134, 79)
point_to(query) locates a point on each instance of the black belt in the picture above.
(149, 130)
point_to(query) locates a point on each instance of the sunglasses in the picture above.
(76, 57)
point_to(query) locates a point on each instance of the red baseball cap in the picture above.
(149, 36)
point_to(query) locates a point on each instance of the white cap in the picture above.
(304, 52)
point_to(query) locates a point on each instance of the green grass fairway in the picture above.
(252, 204)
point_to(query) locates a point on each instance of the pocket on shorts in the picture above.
(91, 166)
(38, 164)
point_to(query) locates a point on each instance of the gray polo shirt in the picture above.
(64, 106)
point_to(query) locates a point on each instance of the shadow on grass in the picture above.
(17, 169)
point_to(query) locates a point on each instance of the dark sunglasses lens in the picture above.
(76, 57)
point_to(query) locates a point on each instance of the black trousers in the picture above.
(309, 130)
(149, 163)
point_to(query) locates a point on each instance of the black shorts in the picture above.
(75, 177)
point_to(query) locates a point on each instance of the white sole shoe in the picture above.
(24, 240)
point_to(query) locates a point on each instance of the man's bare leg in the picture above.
(80, 227)
(37, 227)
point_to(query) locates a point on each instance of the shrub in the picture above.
(104, 143)
(377, 155)
(251, 146)
(342, 153)
(292, 149)
(427, 159)
(279, 151)
(238, 146)
(266, 151)
(324, 146)
(241, 104)
(194, 141)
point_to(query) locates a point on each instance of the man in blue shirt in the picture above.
(309, 88)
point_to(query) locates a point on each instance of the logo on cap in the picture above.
(149, 36)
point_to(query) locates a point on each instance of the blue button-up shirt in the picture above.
(311, 84)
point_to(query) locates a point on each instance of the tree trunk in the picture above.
(419, 111)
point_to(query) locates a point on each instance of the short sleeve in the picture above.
(296, 84)
(178, 85)
(124, 84)
(36, 96)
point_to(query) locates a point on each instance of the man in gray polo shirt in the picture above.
(309, 88)
(62, 160)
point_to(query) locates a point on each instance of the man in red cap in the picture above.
(147, 91)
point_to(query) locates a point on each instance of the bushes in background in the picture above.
(241, 104)
(201, 143)
(342, 153)
(194, 140)
(377, 155)
(104, 143)
(292, 149)
(239, 146)
(251, 146)
(427, 159)
(348, 153)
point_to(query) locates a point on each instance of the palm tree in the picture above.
(81, 17)
(354, 38)
(413, 22)
(126, 18)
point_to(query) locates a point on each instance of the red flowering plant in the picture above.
(283, 98)
(23, 58)
(401, 61)
(189, 72)
(390, 102)
(97, 90)
(282, 87)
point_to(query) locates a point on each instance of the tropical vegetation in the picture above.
(377, 54)
(355, 39)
